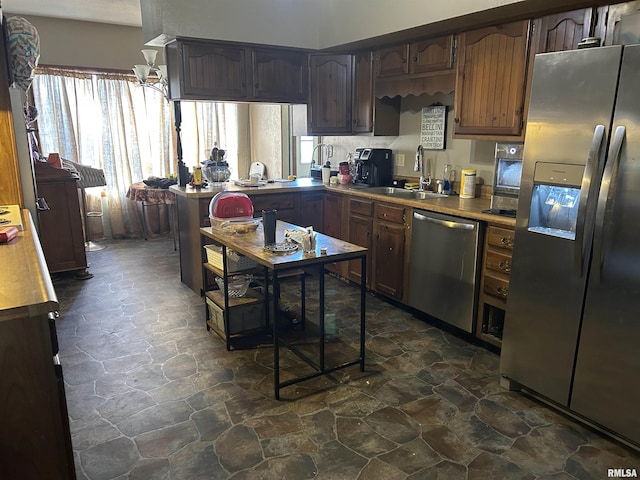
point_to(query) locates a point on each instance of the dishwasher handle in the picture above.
(445, 223)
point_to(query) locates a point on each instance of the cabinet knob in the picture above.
(502, 291)
(456, 119)
(507, 241)
(404, 60)
(415, 59)
(505, 266)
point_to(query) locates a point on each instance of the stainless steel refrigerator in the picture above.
(572, 331)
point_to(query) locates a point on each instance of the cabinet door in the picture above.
(60, 230)
(392, 61)
(389, 259)
(332, 216)
(311, 211)
(213, 71)
(279, 76)
(330, 90)
(363, 93)
(562, 31)
(490, 80)
(360, 229)
(285, 203)
(432, 55)
(614, 14)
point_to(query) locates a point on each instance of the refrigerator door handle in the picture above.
(605, 200)
(588, 187)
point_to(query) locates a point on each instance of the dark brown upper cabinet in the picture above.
(201, 70)
(330, 94)
(562, 31)
(341, 100)
(279, 75)
(424, 56)
(609, 18)
(490, 81)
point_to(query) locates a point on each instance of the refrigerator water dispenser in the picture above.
(555, 199)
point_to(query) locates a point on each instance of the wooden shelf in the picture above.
(252, 296)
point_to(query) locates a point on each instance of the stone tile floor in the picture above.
(153, 395)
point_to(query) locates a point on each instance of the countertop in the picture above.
(302, 184)
(471, 208)
(26, 284)
(252, 246)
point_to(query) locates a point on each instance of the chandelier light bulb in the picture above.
(150, 57)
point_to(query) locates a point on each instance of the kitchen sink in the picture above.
(402, 193)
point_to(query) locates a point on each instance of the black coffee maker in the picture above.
(374, 167)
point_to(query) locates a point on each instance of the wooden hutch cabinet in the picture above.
(61, 233)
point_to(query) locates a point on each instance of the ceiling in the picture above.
(120, 12)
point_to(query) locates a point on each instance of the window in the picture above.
(306, 149)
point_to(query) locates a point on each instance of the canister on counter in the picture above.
(197, 176)
(468, 184)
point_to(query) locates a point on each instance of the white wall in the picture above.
(314, 24)
(460, 153)
(86, 44)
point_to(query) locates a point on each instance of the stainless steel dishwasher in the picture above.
(444, 267)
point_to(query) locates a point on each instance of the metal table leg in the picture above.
(144, 220)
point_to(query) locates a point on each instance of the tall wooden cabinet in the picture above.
(61, 232)
(10, 185)
(490, 81)
(35, 441)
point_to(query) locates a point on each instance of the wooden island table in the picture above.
(277, 266)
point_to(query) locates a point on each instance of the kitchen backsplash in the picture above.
(461, 154)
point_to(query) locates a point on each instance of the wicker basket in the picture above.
(235, 261)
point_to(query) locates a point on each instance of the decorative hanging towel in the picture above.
(24, 50)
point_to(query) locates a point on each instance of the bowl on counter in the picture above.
(216, 172)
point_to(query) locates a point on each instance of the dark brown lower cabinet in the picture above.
(35, 440)
(389, 249)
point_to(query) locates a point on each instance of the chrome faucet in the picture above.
(329, 149)
(425, 179)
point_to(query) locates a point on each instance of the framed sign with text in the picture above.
(433, 128)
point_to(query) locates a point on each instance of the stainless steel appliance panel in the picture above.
(573, 93)
(443, 269)
(606, 387)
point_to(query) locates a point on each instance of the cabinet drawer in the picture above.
(499, 262)
(361, 207)
(496, 287)
(390, 213)
(500, 237)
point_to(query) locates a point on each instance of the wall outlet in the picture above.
(399, 159)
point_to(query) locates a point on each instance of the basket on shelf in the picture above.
(237, 284)
(235, 261)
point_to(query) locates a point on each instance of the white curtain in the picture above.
(107, 121)
(205, 125)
